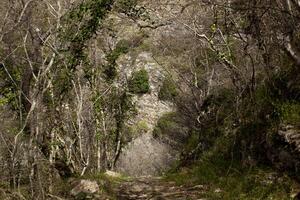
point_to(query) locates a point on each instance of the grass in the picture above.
(290, 112)
(228, 180)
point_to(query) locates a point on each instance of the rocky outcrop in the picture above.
(284, 150)
(143, 155)
(149, 107)
(146, 156)
(291, 135)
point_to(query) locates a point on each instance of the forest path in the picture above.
(156, 188)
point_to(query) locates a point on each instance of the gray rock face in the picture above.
(291, 135)
(149, 107)
(145, 156)
(84, 188)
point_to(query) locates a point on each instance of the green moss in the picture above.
(168, 90)
(139, 82)
(290, 112)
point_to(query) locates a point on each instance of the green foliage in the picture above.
(124, 107)
(82, 23)
(110, 70)
(223, 98)
(89, 13)
(62, 81)
(242, 128)
(217, 119)
(279, 99)
(139, 128)
(168, 90)
(139, 82)
(7, 96)
(117, 106)
(8, 91)
(284, 85)
(62, 187)
(79, 25)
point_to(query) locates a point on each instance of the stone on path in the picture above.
(152, 188)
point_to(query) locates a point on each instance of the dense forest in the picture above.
(140, 99)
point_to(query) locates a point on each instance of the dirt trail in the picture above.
(154, 188)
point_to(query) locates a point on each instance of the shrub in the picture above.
(167, 123)
(139, 82)
(110, 72)
(171, 129)
(168, 90)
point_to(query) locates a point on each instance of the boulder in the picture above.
(113, 174)
(84, 189)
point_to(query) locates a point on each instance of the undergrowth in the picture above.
(227, 179)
